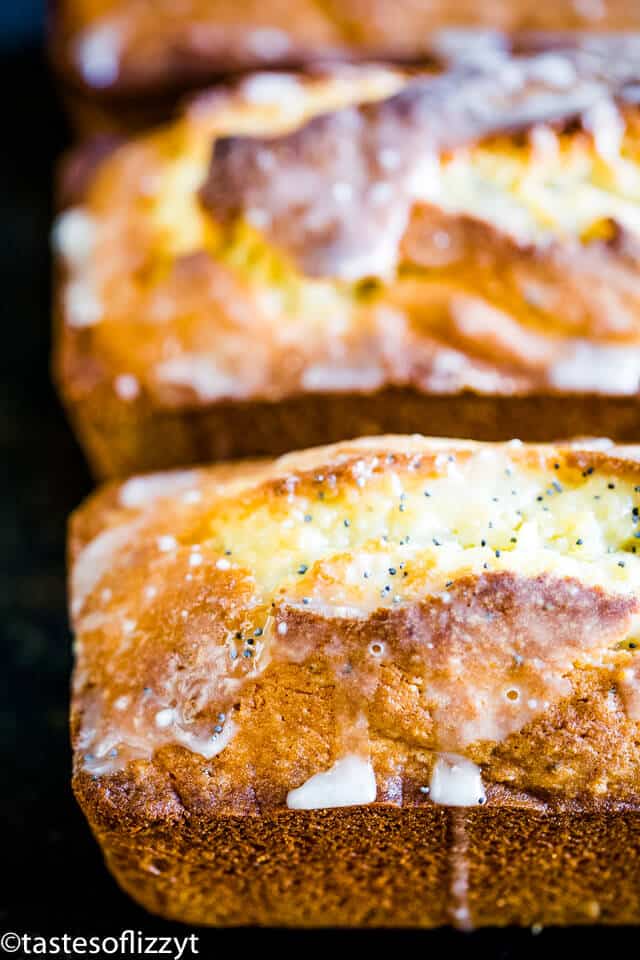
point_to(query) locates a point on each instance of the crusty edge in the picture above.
(124, 437)
(381, 865)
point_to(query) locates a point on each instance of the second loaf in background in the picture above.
(301, 259)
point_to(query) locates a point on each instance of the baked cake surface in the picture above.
(389, 682)
(304, 259)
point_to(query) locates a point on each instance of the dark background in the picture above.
(52, 879)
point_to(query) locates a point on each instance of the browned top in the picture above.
(394, 600)
(337, 193)
(142, 44)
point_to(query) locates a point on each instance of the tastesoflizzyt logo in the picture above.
(128, 943)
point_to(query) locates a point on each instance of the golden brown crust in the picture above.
(421, 867)
(121, 440)
(217, 675)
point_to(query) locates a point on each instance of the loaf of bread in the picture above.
(300, 260)
(123, 56)
(388, 682)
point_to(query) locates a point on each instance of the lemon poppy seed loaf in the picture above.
(388, 682)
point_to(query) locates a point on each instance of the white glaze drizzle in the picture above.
(456, 782)
(349, 782)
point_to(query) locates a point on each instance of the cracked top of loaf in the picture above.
(396, 619)
(363, 228)
(134, 46)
